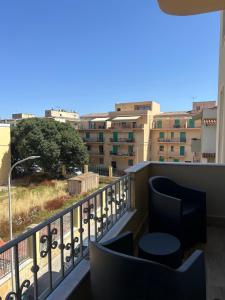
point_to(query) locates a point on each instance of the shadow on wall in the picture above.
(5, 164)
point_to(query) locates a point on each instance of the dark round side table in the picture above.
(161, 247)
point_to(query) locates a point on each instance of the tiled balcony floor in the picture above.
(215, 263)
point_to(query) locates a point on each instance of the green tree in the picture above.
(57, 144)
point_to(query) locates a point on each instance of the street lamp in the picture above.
(10, 210)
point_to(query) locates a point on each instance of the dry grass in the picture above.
(26, 198)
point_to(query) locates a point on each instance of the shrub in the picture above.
(56, 203)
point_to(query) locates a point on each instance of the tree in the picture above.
(57, 143)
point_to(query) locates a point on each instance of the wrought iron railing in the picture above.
(57, 245)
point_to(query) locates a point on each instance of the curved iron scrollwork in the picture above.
(103, 223)
(89, 213)
(74, 251)
(50, 244)
(18, 296)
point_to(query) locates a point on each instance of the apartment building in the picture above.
(204, 149)
(172, 134)
(5, 154)
(17, 117)
(120, 138)
(63, 116)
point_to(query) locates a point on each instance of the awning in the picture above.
(99, 119)
(131, 118)
(190, 7)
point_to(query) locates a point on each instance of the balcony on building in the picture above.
(126, 122)
(54, 261)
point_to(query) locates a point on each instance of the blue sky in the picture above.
(85, 55)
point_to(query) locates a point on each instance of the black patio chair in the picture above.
(177, 210)
(118, 275)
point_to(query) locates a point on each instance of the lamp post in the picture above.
(10, 211)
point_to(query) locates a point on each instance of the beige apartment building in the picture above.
(172, 134)
(17, 117)
(204, 149)
(5, 153)
(120, 138)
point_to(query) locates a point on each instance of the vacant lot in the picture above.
(35, 202)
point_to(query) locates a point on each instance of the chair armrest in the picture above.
(122, 243)
(193, 277)
(192, 194)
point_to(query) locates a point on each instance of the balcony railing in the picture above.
(96, 153)
(97, 127)
(127, 126)
(122, 154)
(55, 247)
(174, 140)
(122, 140)
(93, 140)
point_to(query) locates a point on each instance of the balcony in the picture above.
(123, 154)
(122, 140)
(93, 127)
(93, 140)
(96, 153)
(179, 140)
(57, 249)
(126, 126)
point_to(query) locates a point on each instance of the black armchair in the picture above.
(115, 275)
(177, 210)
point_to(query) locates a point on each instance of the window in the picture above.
(176, 160)
(115, 136)
(191, 123)
(182, 136)
(87, 135)
(172, 148)
(176, 123)
(130, 136)
(118, 109)
(161, 135)
(161, 158)
(182, 150)
(115, 149)
(100, 136)
(198, 107)
(159, 124)
(161, 148)
(101, 149)
(88, 147)
(130, 162)
(172, 135)
(130, 149)
(101, 160)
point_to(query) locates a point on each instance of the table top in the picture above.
(159, 243)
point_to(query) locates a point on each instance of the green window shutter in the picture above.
(87, 135)
(176, 123)
(182, 136)
(130, 136)
(176, 160)
(161, 135)
(191, 123)
(115, 136)
(161, 158)
(159, 124)
(182, 150)
(115, 149)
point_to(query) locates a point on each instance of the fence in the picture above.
(57, 245)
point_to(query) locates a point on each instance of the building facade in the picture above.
(5, 153)
(120, 138)
(204, 149)
(173, 133)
